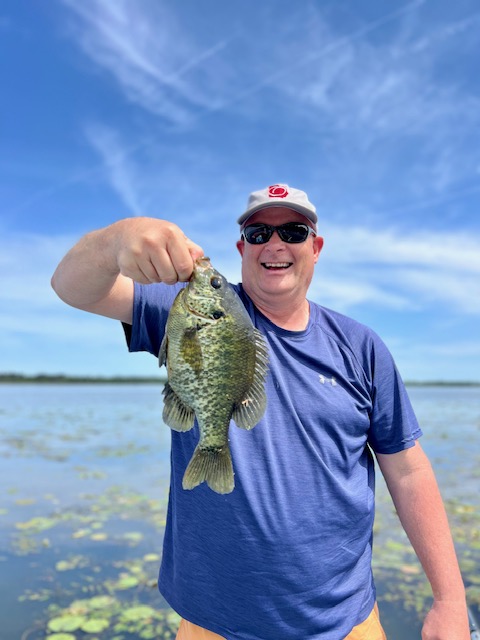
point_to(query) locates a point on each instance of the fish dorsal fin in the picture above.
(249, 411)
(176, 414)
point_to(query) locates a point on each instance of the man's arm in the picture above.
(414, 490)
(97, 274)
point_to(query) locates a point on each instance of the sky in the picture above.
(178, 110)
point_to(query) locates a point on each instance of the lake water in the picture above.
(84, 483)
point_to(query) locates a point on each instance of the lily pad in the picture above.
(96, 625)
(100, 602)
(98, 537)
(133, 536)
(126, 581)
(66, 623)
(142, 612)
(35, 525)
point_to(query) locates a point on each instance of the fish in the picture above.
(217, 363)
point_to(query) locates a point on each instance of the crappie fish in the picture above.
(216, 363)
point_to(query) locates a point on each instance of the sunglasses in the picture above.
(291, 232)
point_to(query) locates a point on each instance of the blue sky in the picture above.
(178, 110)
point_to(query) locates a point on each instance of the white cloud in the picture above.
(396, 270)
(379, 93)
(351, 87)
(117, 161)
(151, 56)
(450, 250)
(360, 267)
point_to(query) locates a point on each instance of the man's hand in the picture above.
(446, 620)
(149, 250)
(97, 273)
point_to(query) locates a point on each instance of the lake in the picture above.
(84, 477)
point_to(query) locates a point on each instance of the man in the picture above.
(286, 555)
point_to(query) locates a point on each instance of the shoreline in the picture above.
(18, 378)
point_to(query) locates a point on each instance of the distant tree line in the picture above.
(61, 378)
(69, 379)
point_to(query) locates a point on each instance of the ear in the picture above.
(241, 246)
(317, 246)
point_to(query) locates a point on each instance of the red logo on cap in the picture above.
(277, 191)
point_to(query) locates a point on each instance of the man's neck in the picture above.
(293, 316)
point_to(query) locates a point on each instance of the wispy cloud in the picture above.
(392, 269)
(372, 97)
(118, 162)
(396, 90)
(149, 54)
(379, 268)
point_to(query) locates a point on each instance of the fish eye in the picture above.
(215, 282)
(217, 315)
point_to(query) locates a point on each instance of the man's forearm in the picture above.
(97, 274)
(414, 490)
(89, 277)
(422, 514)
(88, 271)
(419, 505)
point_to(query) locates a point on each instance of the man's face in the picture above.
(278, 268)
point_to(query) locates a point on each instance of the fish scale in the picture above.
(216, 363)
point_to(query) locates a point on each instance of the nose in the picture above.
(275, 239)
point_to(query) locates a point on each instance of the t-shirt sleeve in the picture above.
(393, 424)
(151, 305)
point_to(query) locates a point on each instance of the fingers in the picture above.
(154, 250)
(174, 262)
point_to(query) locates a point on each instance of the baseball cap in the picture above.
(279, 195)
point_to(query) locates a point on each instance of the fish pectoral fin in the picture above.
(249, 411)
(162, 354)
(176, 414)
(213, 466)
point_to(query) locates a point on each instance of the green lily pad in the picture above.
(96, 625)
(142, 612)
(66, 623)
(133, 536)
(81, 533)
(126, 581)
(98, 537)
(100, 602)
(35, 525)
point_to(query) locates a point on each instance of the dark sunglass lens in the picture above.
(257, 234)
(293, 232)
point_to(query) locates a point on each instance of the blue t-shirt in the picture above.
(287, 554)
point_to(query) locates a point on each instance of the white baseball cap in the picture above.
(280, 195)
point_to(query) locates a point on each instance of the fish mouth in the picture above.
(276, 266)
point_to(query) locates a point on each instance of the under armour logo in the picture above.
(325, 380)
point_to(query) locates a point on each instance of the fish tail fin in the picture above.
(213, 466)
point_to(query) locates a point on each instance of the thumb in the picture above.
(195, 250)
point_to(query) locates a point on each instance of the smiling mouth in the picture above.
(276, 265)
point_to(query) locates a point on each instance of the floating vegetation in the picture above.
(84, 513)
(108, 617)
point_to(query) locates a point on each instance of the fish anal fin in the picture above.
(213, 466)
(176, 414)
